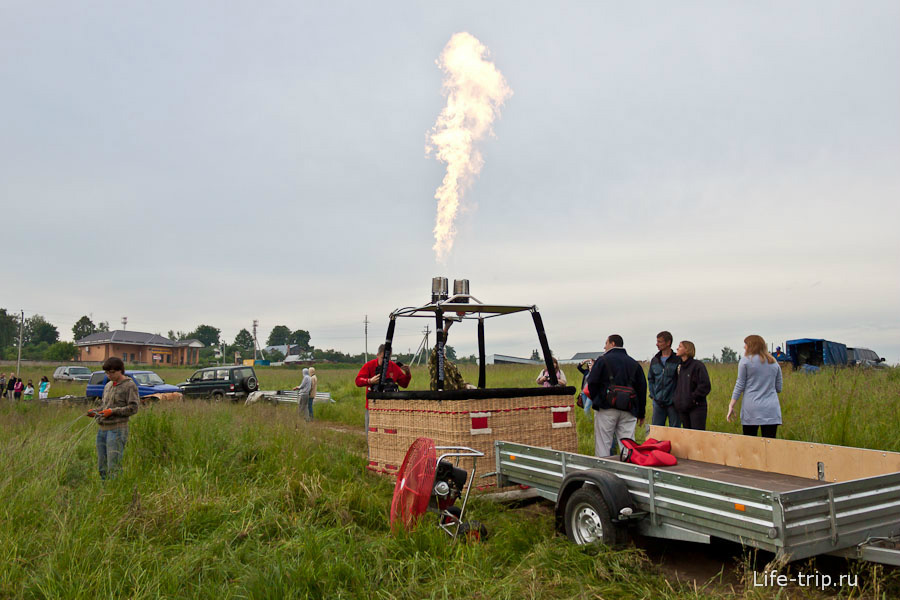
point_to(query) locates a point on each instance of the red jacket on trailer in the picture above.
(371, 369)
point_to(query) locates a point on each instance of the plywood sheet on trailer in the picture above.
(788, 457)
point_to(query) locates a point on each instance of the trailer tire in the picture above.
(588, 519)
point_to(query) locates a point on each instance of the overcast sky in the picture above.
(712, 168)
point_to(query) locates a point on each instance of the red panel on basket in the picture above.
(560, 417)
(390, 431)
(374, 429)
(415, 481)
(479, 422)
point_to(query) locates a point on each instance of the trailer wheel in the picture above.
(588, 519)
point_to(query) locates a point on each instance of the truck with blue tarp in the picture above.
(814, 353)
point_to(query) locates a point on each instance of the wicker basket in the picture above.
(472, 418)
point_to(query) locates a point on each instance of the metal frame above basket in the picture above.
(461, 305)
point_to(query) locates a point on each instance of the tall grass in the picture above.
(230, 501)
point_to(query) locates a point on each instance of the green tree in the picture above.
(61, 351)
(243, 341)
(102, 326)
(207, 334)
(9, 329)
(38, 329)
(535, 355)
(274, 356)
(729, 355)
(279, 335)
(83, 328)
(450, 352)
(301, 338)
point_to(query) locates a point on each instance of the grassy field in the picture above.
(230, 501)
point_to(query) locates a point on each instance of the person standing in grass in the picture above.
(120, 401)
(17, 389)
(303, 403)
(11, 387)
(29, 391)
(691, 388)
(661, 381)
(618, 391)
(44, 388)
(759, 381)
(313, 388)
(2, 384)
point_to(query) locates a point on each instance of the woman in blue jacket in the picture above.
(759, 381)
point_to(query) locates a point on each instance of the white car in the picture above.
(71, 373)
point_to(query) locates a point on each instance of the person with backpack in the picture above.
(691, 388)
(618, 391)
(661, 381)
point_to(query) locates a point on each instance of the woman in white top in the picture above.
(759, 381)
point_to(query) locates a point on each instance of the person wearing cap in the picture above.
(120, 402)
(779, 355)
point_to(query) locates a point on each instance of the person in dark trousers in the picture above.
(691, 388)
(661, 381)
(759, 381)
(120, 401)
(618, 390)
(11, 386)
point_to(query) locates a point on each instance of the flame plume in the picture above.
(475, 91)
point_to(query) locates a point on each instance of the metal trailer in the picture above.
(601, 499)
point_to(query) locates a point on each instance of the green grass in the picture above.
(229, 501)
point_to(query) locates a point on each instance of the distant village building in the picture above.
(503, 359)
(580, 357)
(137, 347)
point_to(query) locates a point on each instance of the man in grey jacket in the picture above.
(120, 401)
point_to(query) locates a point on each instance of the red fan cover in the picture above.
(415, 481)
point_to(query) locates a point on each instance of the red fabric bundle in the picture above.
(652, 453)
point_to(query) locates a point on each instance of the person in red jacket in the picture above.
(370, 374)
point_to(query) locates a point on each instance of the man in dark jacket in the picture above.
(661, 381)
(618, 391)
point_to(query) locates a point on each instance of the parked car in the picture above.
(148, 382)
(863, 357)
(219, 383)
(71, 373)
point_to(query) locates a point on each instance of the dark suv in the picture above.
(218, 383)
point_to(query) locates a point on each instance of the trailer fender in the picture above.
(611, 488)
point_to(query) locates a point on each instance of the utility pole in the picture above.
(423, 350)
(21, 329)
(366, 322)
(124, 322)
(255, 343)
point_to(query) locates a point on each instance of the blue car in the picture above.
(148, 382)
